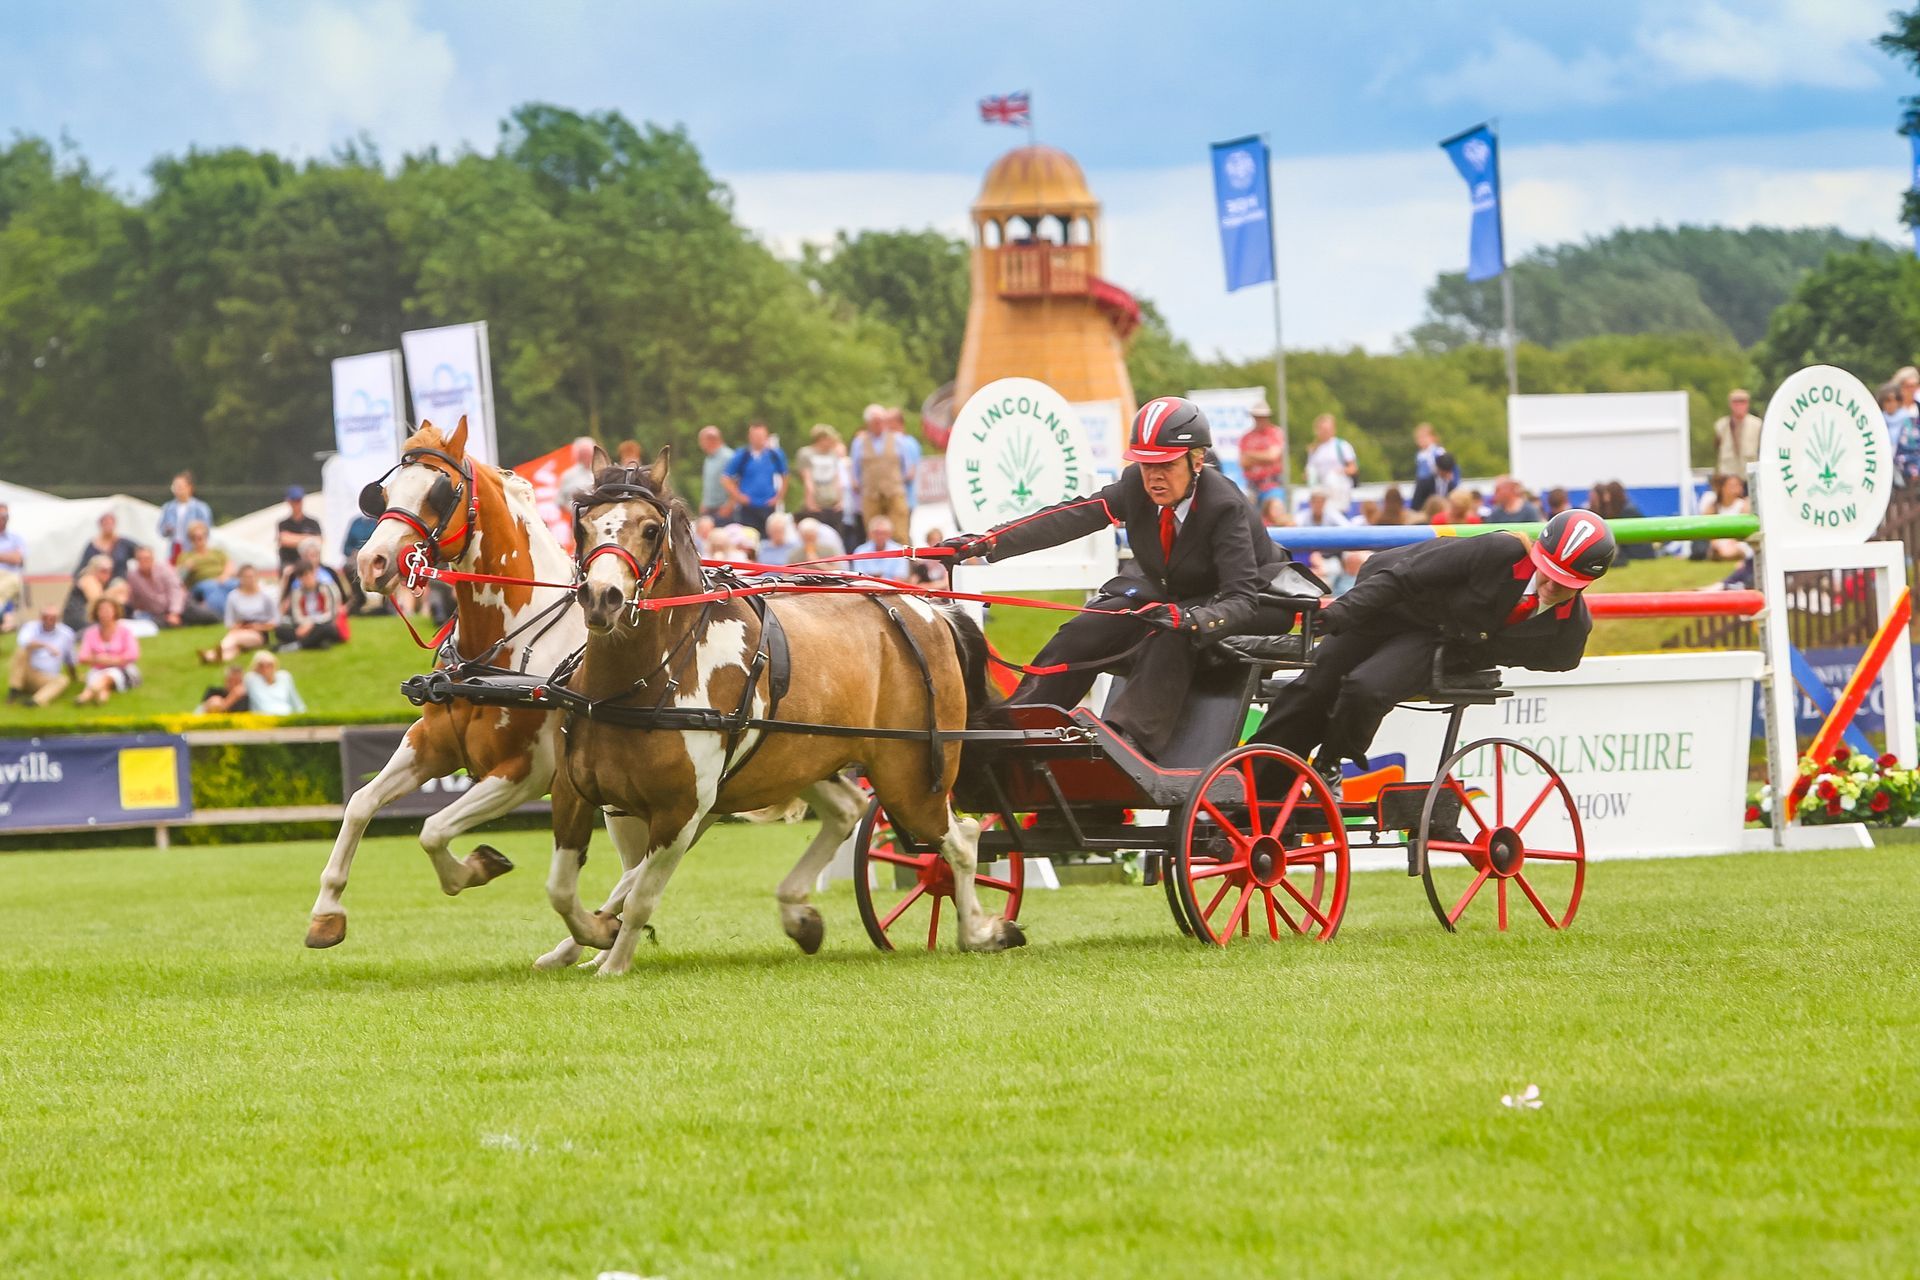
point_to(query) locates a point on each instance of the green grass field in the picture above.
(1726, 1050)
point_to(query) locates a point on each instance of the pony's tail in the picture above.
(971, 642)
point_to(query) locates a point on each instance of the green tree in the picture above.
(1903, 42)
(916, 283)
(1861, 312)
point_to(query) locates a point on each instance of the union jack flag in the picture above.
(1011, 108)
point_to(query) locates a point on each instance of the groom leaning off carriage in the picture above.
(1201, 558)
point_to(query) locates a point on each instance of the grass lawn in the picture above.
(1726, 1051)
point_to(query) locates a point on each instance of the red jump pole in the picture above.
(1675, 604)
(1857, 686)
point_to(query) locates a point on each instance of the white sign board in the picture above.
(1636, 437)
(1826, 465)
(1229, 413)
(1653, 748)
(368, 426)
(449, 373)
(1106, 429)
(1018, 446)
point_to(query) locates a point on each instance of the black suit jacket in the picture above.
(1216, 570)
(1463, 589)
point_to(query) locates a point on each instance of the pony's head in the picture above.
(633, 541)
(426, 500)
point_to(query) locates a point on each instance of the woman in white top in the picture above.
(1728, 497)
(271, 691)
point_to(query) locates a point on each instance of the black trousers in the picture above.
(1147, 708)
(1338, 703)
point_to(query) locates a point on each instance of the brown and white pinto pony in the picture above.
(509, 753)
(851, 666)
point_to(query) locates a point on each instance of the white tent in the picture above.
(55, 529)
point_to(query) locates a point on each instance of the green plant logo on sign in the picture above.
(1016, 447)
(1829, 451)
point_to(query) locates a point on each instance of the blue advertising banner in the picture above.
(57, 782)
(1476, 154)
(1244, 199)
(1834, 667)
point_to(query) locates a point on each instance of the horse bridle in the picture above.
(624, 491)
(444, 496)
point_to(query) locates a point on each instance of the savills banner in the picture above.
(449, 373)
(79, 781)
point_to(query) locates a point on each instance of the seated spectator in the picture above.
(13, 570)
(1729, 498)
(1463, 507)
(782, 544)
(205, 571)
(107, 542)
(228, 698)
(249, 619)
(1557, 501)
(310, 610)
(1274, 513)
(154, 592)
(1369, 512)
(702, 536)
(179, 515)
(1392, 509)
(1320, 512)
(43, 660)
(271, 691)
(930, 573)
(819, 540)
(308, 553)
(1433, 511)
(95, 580)
(1511, 505)
(1609, 499)
(880, 538)
(358, 534)
(1342, 570)
(110, 653)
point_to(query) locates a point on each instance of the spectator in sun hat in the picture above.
(180, 512)
(297, 526)
(1263, 455)
(1736, 437)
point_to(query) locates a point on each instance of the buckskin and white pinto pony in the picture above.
(856, 662)
(473, 517)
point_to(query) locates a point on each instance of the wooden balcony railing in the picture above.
(1042, 270)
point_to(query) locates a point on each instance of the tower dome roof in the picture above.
(1035, 180)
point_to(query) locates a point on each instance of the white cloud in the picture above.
(1361, 237)
(1527, 74)
(301, 77)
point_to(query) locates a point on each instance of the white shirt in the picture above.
(1327, 467)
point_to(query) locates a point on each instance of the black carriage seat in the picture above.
(1463, 682)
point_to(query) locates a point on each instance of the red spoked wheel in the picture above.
(1262, 849)
(910, 906)
(1509, 821)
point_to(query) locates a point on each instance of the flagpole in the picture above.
(1506, 273)
(1279, 346)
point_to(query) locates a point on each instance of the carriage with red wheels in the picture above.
(1253, 841)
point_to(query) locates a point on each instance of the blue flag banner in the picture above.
(1244, 199)
(1915, 140)
(1476, 154)
(77, 781)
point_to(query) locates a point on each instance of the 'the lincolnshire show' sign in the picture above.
(1825, 461)
(1017, 446)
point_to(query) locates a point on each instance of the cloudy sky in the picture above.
(860, 113)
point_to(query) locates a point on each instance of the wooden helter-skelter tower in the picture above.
(1040, 308)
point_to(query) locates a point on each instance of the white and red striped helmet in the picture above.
(1166, 428)
(1575, 548)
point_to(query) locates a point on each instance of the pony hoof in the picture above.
(560, 957)
(1012, 935)
(326, 931)
(808, 929)
(487, 863)
(605, 929)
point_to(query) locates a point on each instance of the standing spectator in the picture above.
(108, 542)
(249, 619)
(110, 652)
(782, 544)
(880, 538)
(1445, 479)
(882, 472)
(228, 698)
(271, 691)
(1511, 505)
(205, 571)
(819, 465)
(1426, 447)
(154, 592)
(42, 661)
(1393, 508)
(1903, 429)
(1557, 501)
(309, 610)
(714, 499)
(297, 527)
(1263, 456)
(1736, 437)
(578, 478)
(1908, 381)
(756, 478)
(1320, 513)
(13, 570)
(94, 581)
(819, 540)
(179, 513)
(1331, 464)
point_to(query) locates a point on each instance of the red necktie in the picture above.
(1168, 527)
(1523, 610)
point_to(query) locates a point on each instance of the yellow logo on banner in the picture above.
(149, 778)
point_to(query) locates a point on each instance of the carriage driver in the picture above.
(1198, 556)
(1493, 599)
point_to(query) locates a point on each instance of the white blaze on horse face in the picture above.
(406, 488)
(608, 570)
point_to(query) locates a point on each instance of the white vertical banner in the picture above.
(450, 374)
(1106, 437)
(1229, 413)
(368, 424)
